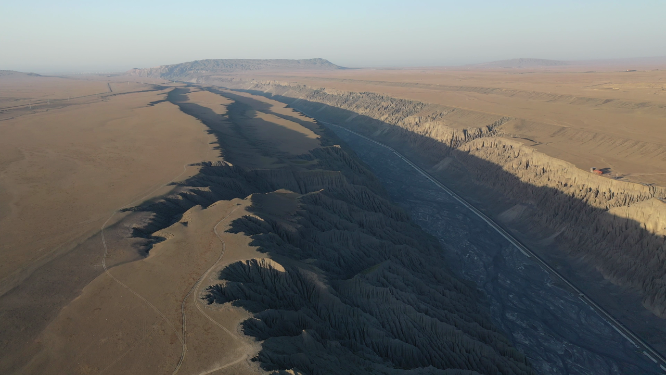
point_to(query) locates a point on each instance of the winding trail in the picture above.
(196, 303)
(106, 252)
(107, 271)
(246, 349)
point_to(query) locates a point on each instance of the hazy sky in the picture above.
(77, 36)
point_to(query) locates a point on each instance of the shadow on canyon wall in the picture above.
(349, 283)
(618, 247)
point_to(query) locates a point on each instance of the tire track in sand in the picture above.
(106, 253)
(195, 300)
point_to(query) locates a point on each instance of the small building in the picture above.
(596, 171)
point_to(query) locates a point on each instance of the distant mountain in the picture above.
(221, 66)
(15, 73)
(521, 63)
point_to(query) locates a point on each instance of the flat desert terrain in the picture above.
(65, 168)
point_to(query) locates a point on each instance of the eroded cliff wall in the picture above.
(617, 226)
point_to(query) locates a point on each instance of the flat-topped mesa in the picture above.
(6, 73)
(222, 66)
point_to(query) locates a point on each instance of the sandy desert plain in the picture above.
(193, 222)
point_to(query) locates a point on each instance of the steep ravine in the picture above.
(618, 227)
(347, 283)
(557, 330)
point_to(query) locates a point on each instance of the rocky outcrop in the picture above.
(349, 285)
(650, 213)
